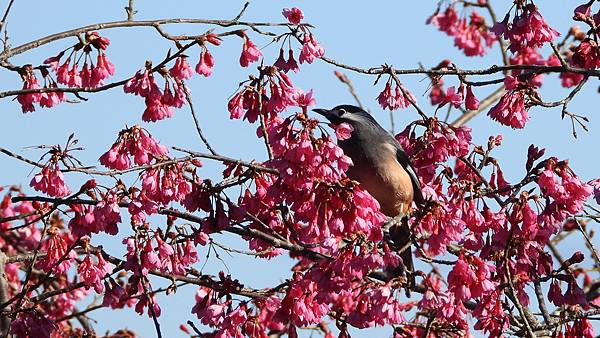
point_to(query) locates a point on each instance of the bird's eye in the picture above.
(341, 112)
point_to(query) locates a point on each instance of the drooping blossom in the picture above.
(205, 64)
(90, 75)
(510, 110)
(58, 256)
(29, 82)
(471, 101)
(250, 53)
(528, 29)
(400, 98)
(567, 191)
(446, 21)
(50, 181)
(135, 142)
(92, 273)
(181, 69)
(311, 49)
(288, 65)
(474, 37)
(471, 36)
(453, 96)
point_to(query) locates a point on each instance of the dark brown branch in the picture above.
(250, 165)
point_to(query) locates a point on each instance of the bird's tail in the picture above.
(400, 235)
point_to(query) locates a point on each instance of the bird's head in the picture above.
(353, 115)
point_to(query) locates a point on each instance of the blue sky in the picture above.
(361, 33)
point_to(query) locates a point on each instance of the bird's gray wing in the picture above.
(407, 165)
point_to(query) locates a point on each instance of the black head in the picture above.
(347, 113)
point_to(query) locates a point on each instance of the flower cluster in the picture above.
(471, 36)
(254, 99)
(159, 103)
(92, 273)
(102, 217)
(399, 98)
(527, 29)
(135, 142)
(45, 99)
(510, 110)
(90, 74)
(438, 143)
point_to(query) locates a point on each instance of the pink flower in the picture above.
(58, 256)
(311, 49)
(104, 69)
(54, 60)
(74, 77)
(586, 55)
(526, 30)
(156, 109)
(468, 281)
(294, 15)
(27, 100)
(250, 53)
(86, 76)
(288, 65)
(400, 98)
(471, 102)
(205, 63)
(140, 84)
(510, 110)
(92, 273)
(51, 99)
(567, 196)
(446, 22)
(50, 181)
(469, 37)
(303, 100)
(99, 42)
(452, 96)
(343, 131)
(236, 106)
(62, 74)
(134, 142)
(181, 69)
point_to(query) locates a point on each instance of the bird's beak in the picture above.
(325, 112)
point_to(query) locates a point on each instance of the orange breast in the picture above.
(387, 181)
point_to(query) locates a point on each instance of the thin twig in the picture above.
(130, 10)
(188, 97)
(345, 80)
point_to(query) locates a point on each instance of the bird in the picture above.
(382, 168)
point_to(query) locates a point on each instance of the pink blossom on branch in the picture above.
(135, 142)
(311, 49)
(250, 53)
(510, 110)
(294, 15)
(205, 63)
(528, 29)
